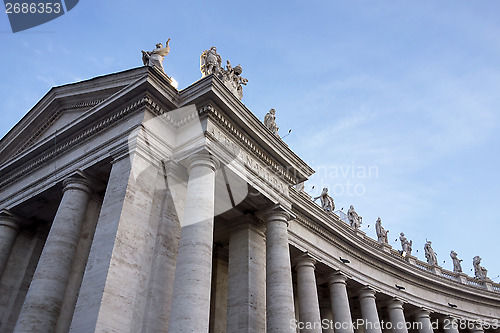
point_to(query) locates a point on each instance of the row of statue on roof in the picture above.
(355, 221)
(210, 63)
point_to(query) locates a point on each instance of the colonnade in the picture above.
(260, 293)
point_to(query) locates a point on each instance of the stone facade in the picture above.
(129, 206)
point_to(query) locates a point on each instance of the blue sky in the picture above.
(406, 89)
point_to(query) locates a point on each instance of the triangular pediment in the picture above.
(61, 107)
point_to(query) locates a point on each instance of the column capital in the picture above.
(338, 277)
(78, 181)
(476, 327)
(394, 303)
(203, 159)
(304, 260)
(422, 313)
(276, 212)
(10, 219)
(367, 292)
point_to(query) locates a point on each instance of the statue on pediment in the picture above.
(354, 218)
(405, 245)
(480, 271)
(457, 267)
(210, 62)
(326, 201)
(232, 80)
(430, 255)
(381, 232)
(270, 121)
(155, 57)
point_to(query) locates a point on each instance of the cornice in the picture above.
(52, 119)
(68, 144)
(367, 250)
(211, 86)
(216, 115)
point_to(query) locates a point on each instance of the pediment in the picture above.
(61, 107)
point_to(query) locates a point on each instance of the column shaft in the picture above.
(369, 311)
(191, 298)
(397, 316)
(340, 304)
(450, 325)
(8, 232)
(327, 319)
(279, 290)
(246, 311)
(45, 295)
(307, 293)
(422, 317)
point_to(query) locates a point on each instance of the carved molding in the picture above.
(65, 146)
(216, 115)
(52, 120)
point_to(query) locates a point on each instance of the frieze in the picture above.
(77, 140)
(276, 168)
(262, 171)
(52, 119)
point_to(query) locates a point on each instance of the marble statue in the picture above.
(210, 62)
(354, 218)
(381, 232)
(270, 121)
(481, 272)
(232, 80)
(155, 57)
(457, 267)
(430, 255)
(301, 186)
(326, 201)
(405, 244)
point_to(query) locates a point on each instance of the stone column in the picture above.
(279, 290)
(45, 295)
(327, 318)
(423, 318)
(246, 300)
(191, 297)
(218, 294)
(397, 316)
(9, 227)
(476, 328)
(307, 294)
(340, 303)
(369, 311)
(450, 325)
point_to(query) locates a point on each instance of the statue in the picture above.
(326, 201)
(210, 62)
(301, 186)
(270, 121)
(354, 218)
(232, 79)
(381, 232)
(430, 255)
(457, 267)
(481, 272)
(155, 57)
(405, 245)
